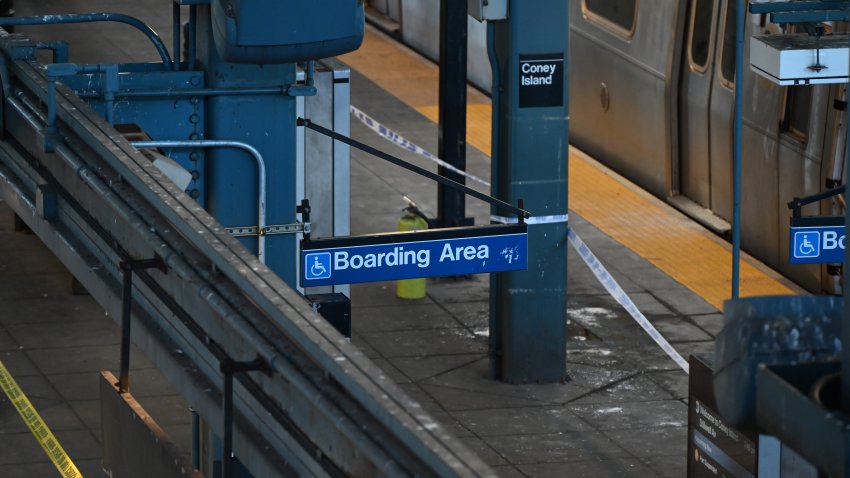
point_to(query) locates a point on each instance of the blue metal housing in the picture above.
(161, 117)
(271, 31)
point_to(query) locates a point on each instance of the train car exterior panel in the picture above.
(624, 114)
(389, 8)
(759, 188)
(422, 26)
(796, 178)
(421, 31)
(652, 97)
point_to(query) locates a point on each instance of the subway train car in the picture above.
(652, 97)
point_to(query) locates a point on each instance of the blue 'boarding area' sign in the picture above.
(407, 255)
(816, 245)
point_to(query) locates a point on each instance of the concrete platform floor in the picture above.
(623, 412)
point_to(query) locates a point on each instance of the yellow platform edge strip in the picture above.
(37, 426)
(606, 200)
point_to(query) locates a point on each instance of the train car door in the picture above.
(721, 112)
(694, 101)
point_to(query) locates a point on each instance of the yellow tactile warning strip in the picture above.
(689, 253)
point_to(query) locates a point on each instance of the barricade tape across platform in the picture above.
(406, 145)
(623, 298)
(37, 426)
(602, 275)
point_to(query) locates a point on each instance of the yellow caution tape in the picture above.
(37, 426)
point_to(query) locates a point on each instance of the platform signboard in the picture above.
(714, 447)
(407, 255)
(816, 244)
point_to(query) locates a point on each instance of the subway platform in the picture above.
(623, 411)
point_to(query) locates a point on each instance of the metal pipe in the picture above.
(261, 166)
(311, 69)
(495, 341)
(51, 103)
(522, 213)
(451, 121)
(92, 18)
(31, 113)
(227, 452)
(736, 150)
(845, 323)
(126, 310)
(196, 440)
(281, 90)
(175, 34)
(193, 35)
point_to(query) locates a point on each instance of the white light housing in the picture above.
(801, 59)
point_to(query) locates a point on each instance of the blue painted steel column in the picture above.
(266, 122)
(528, 316)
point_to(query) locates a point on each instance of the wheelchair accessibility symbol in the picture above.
(317, 266)
(806, 244)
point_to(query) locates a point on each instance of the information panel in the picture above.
(714, 448)
(439, 252)
(816, 245)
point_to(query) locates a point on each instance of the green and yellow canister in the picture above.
(412, 220)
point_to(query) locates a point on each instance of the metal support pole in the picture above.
(304, 210)
(175, 33)
(227, 453)
(845, 328)
(126, 309)
(528, 313)
(191, 51)
(229, 367)
(127, 268)
(412, 167)
(196, 440)
(736, 149)
(451, 204)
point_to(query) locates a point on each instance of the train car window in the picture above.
(727, 50)
(702, 19)
(619, 15)
(798, 106)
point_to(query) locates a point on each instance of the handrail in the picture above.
(521, 213)
(261, 180)
(64, 19)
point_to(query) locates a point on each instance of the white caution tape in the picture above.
(406, 145)
(620, 296)
(589, 258)
(556, 219)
